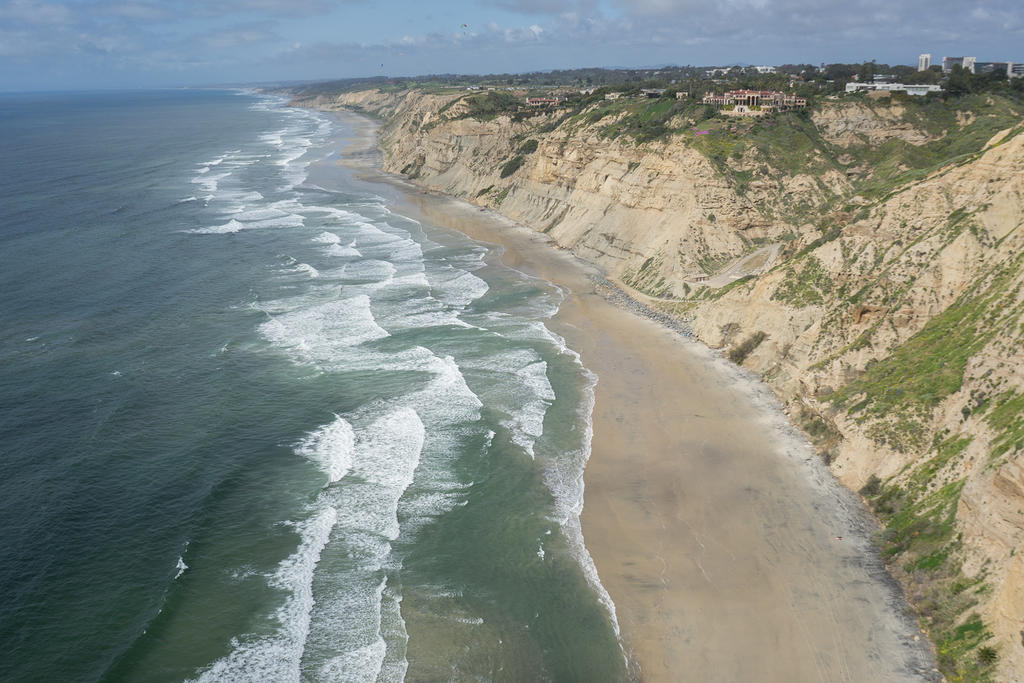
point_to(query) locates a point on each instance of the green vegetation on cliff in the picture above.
(839, 189)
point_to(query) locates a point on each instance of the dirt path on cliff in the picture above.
(729, 550)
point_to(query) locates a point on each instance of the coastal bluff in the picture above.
(865, 258)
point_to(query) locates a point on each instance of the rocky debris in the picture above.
(613, 293)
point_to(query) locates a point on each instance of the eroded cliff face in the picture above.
(889, 319)
(612, 202)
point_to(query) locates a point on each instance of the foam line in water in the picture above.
(392, 629)
(517, 384)
(229, 227)
(527, 424)
(277, 657)
(357, 631)
(564, 478)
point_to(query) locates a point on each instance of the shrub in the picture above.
(873, 486)
(528, 147)
(740, 353)
(512, 165)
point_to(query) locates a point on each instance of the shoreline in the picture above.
(729, 550)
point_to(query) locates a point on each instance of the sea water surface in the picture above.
(255, 428)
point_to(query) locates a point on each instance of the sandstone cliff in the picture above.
(865, 259)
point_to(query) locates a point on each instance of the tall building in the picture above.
(966, 62)
(924, 62)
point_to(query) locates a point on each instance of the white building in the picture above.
(917, 90)
(966, 62)
(765, 69)
(924, 62)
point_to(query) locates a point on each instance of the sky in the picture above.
(88, 44)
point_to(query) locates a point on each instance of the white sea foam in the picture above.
(468, 620)
(320, 333)
(343, 251)
(327, 238)
(451, 412)
(564, 477)
(527, 423)
(276, 219)
(392, 629)
(369, 271)
(230, 226)
(517, 384)
(272, 138)
(456, 288)
(352, 613)
(417, 312)
(209, 182)
(389, 452)
(181, 567)
(331, 447)
(277, 657)
(307, 269)
(260, 214)
(291, 220)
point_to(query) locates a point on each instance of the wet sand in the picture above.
(730, 552)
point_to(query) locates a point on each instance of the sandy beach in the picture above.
(729, 550)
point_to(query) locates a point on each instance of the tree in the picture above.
(867, 72)
(960, 82)
(840, 72)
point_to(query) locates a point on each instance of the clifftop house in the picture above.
(894, 87)
(754, 102)
(541, 101)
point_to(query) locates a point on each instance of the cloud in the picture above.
(136, 11)
(237, 36)
(280, 8)
(273, 39)
(31, 12)
(553, 7)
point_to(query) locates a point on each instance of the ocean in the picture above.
(256, 425)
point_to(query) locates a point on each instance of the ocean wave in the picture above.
(327, 238)
(229, 227)
(331, 447)
(344, 251)
(347, 638)
(456, 287)
(278, 656)
(319, 333)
